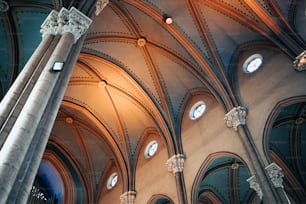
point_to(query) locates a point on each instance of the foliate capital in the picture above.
(128, 197)
(176, 163)
(100, 5)
(72, 21)
(236, 117)
(50, 25)
(255, 186)
(300, 62)
(276, 175)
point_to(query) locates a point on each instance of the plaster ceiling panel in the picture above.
(134, 118)
(95, 100)
(83, 73)
(131, 58)
(285, 7)
(28, 22)
(218, 182)
(101, 25)
(244, 191)
(115, 77)
(226, 34)
(183, 20)
(67, 136)
(158, 33)
(176, 80)
(280, 142)
(239, 6)
(94, 147)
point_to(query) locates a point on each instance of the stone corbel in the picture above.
(236, 117)
(176, 163)
(276, 175)
(128, 197)
(255, 186)
(300, 62)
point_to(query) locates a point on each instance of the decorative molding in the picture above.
(50, 25)
(300, 62)
(276, 175)
(176, 163)
(236, 117)
(100, 5)
(255, 186)
(128, 197)
(72, 21)
(141, 42)
(4, 7)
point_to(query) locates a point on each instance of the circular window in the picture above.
(151, 149)
(112, 181)
(197, 110)
(252, 63)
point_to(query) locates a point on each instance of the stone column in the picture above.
(176, 165)
(71, 25)
(128, 197)
(276, 176)
(236, 118)
(15, 98)
(255, 186)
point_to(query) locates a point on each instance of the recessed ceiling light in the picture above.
(252, 63)
(197, 110)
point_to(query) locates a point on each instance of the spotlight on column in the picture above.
(57, 66)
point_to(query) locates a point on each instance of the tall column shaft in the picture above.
(33, 158)
(176, 166)
(16, 146)
(18, 94)
(269, 193)
(14, 91)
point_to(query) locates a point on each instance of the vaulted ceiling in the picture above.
(136, 73)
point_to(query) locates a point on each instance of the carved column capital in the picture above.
(255, 186)
(176, 163)
(236, 117)
(50, 25)
(128, 197)
(276, 175)
(100, 5)
(72, 21)
(300, 62)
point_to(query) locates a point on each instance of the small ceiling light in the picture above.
(151, 149)
(252, 63)
(102, 84)
(69, 120)
(197, 110)
(167, 19)
(141, 42)
(112, 181)
(57, 66)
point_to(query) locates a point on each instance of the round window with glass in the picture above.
(197, 110)
(151, 149)
(253, 63)
(112, 181)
